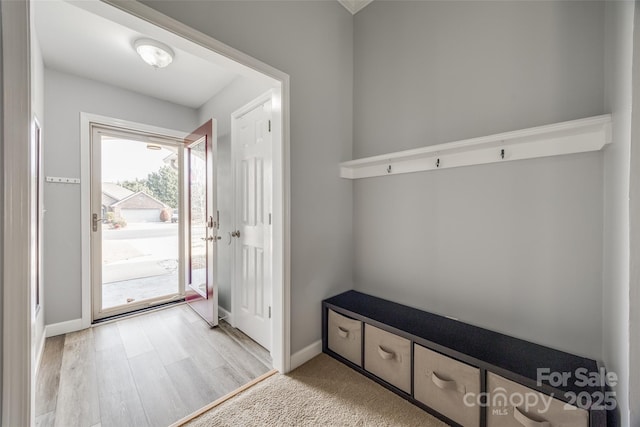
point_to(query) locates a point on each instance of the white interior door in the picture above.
(253, 177)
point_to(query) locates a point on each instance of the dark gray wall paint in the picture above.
(66, 96)
(514, 247)
(312, 42)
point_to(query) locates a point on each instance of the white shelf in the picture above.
(575, 136)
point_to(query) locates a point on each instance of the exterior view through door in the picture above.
(152, 225)
(135, 194)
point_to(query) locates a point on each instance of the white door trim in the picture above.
(252, 105)
(86, 119)
(235, 116)
(18, 346)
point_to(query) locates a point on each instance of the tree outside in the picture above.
(163, 185)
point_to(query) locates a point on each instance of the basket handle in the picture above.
(442, 383)
(342, 332)
(386, 355)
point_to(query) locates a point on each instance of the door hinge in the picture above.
(269, 125)
(269, 312)
(269, 218)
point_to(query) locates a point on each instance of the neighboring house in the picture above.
(132, 206)
(171, 160)
(112, 193)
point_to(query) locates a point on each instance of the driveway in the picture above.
(138, 251)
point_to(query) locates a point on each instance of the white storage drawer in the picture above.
(442, 383)
(388, 356)
(514, 405)
(345, 337)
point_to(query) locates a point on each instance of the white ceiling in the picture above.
(77, 41)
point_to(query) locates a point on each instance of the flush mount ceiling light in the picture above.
(154, 53)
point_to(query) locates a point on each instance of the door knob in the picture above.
(235, 233)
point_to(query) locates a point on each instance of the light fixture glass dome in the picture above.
(154, 53)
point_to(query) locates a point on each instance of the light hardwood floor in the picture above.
(148, 370)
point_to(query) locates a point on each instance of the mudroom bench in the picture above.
(465, 375)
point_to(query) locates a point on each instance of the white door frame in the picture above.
(18, 391)
(235, 117)
(86, 119)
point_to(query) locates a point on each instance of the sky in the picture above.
(126, 160)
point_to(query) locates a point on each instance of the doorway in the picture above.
(135, 202)
(245, 68)
(154, 221)
(18, 303)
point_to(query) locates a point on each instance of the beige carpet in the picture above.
(322, 392)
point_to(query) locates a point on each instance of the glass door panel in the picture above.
(198, 217)
(136, 248)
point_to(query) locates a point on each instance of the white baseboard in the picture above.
(62, 328)
(226, 315)
(301, 357)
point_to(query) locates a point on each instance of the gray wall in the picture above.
(515, 247)
(224, 183)
(312, 42)
(37, 78)
(239, 92)
(65, 97)
(428, 72)
(618, 60)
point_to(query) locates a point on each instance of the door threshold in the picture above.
(138, 312)
(221, 400)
